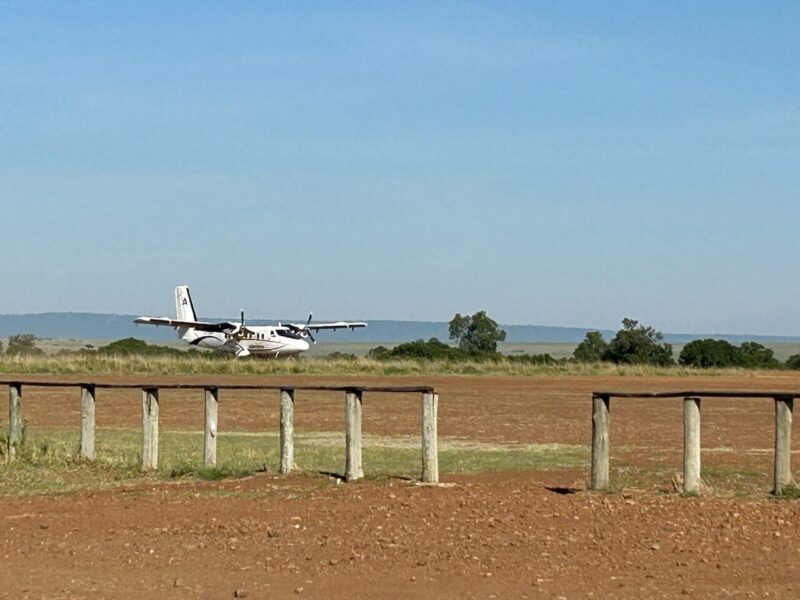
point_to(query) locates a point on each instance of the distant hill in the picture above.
(113, 327)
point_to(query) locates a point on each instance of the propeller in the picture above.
(303, 331)
(241, 331)
(307, 330)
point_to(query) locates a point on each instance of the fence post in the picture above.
(149, 429)
(210, 435)
(287, 430)
(783, 443)
(600, 449)
(691, 446)
(352, 432)
(15, 426)
(430, 450)
(87, 422)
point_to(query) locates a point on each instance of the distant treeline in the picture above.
(636, 344)
(475, 339)
(633, 344)
(24, 344)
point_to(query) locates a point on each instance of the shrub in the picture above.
(341, 356)
(711, 353)
(535, 359)
(133, 346)
(793, 362)
(23, 344)
(379, 353)
(433, 349)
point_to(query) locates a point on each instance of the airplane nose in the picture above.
(304, 345)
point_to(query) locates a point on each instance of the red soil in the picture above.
(494, 535)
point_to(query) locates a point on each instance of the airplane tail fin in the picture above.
(185, 312)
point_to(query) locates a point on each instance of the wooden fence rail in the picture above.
(150, 418)
(692, 483)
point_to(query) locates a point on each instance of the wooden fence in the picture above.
(353, 400)
(784, 405)
(353, 397)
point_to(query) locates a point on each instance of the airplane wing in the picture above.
(224, 327)
(319, 326)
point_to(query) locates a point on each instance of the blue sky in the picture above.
(552, 163)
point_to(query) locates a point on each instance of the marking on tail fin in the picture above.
(191, 304)
(183, 301)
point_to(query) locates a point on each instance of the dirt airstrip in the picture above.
(501, 535)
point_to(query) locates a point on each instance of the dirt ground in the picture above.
(496, 535)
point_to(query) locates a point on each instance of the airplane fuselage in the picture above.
(258, 341)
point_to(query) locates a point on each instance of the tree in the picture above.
(23, 344)
(711, 353)
(459, 326)
(477, 334)
(592, 348)
(636, 344)
(1, 347)
(757, 356)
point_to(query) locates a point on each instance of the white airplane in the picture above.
(238, 338)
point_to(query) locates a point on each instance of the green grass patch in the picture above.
(537, 458)
(50, 460)
(730, 473)
(741, 482)
(719, 480)
(790, 492)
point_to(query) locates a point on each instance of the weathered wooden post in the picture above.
(352, 432)
(783, 443)
(430, 448)
(691, 446)
(600, 449)
(149, 429)
(87, 422)
(16, 433)
(287, 430)
(210, 435)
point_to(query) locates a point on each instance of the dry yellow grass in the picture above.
(89, 364)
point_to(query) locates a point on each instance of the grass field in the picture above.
(96, 365)
(50, 463)
(322, 349)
